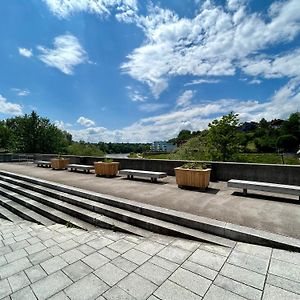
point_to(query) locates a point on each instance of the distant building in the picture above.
(248, 126)
(162, 146)
(276, 123)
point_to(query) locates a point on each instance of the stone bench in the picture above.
(265, 187)
(76, 167)
(147, 174)
(43, 163)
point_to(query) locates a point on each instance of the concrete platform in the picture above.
(270, 212)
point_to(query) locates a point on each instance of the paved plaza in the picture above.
(275, 213)
(58, 262)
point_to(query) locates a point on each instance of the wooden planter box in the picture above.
(192, 178)
(106, 168)
(59, 163)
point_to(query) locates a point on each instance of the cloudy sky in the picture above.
(138, 71)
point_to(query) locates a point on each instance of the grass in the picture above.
(261, 158)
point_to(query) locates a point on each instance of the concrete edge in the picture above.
(223, 229)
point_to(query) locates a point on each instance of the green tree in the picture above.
(85, 149)
(222, 137)
(287, 142)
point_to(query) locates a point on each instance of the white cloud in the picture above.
(21, 92)
(25, 52)
(65, 55)
(9, 108)
(213, 43)
(125, 10)
(255, 81)
(202, 81)
(135, 95)
(185, 98)
(286, 65)
(62, 125)
(85, 122)
(151, 107)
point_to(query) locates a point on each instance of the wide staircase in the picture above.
(46, 203)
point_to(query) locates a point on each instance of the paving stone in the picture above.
(4, 250)
(284, 283)
(22, 237)
(134, 239)
(20, 253)
(136, 256)
(95, 260)
(3, 261)
(72, 256)
(153, 298)
(125, 264)
(149, 247)
(164, 263)
(19, 245)
(8, 241)
(39, 257)
(216, 292)
(35, 273)
(85, 249)
(250, 262)
(49, 243)
(35, 248)
(53, 264)
(14, 267)
(209, 259)
(162, 239)
(99, 243)
(225, 251)
(153, 273)
(121, 246)
(174, 254)
(24, 294)
(186, 244)
(33, 240)
(68, 245)
(287, 256)
(272, 292)
(200, 270)
(255, 250)
(59, 296)
(4, 288)
(248, 277)
(88, 287)
(115, 293)
(111, 254)
(18, 281)
(110, 274)
(188, 280)
(77, 270)
(50, 285)
(171, 291)
(137, 286)
(238, 288)
(285, 269)
(56, 250)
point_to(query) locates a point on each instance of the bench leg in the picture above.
(245, 192)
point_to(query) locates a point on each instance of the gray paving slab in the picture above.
(95, 260)
(238, 288)
(110, 274)
(53, 264)
(109, 253)
(77, 270)
(200, 270)
(24, 294)
(208, 259)
(137, 286)
(121, 246)
(171, 291)
(272, 292)
(18, 281)
(116, 293)
(164, 263)
(149, 247)
(125, 264)
(14, 267)
(283, 283)
(174, 254)
(285, 269)
(218, 293)
(51, 285)
(191, 281)
(154, 273)
(35, 273)
(5, 289)
(72, 256)
(136, 256)
(89, 287)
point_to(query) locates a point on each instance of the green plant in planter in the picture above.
(194, 166)
(108, 160)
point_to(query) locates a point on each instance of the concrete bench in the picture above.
(43, 163)
(264, 186)
(147, 174)
(84, 168)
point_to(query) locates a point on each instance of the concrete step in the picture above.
(8, 215)
(21, 211)
(141, 221)
(39, 212)
(63, 212)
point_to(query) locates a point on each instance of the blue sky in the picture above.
(138, 71)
